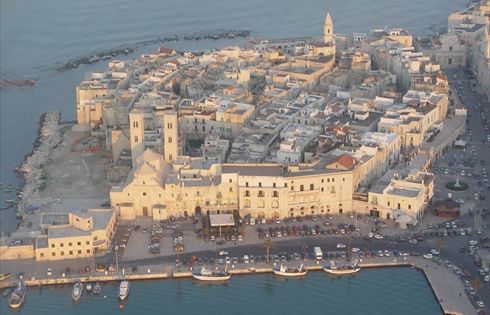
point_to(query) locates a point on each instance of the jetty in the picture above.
(448, 289)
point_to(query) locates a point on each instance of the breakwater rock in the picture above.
(32, 169)
(108, 54)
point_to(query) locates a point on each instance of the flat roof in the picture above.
(222, 220)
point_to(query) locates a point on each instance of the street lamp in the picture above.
(116, 248)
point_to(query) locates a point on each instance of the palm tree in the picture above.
(268, 245)
(477, 284)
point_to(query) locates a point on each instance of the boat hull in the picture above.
(17, 305)
(341, 271)
(123, 292)
(290, 274)
(211, 278)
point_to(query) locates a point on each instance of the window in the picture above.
(322, 189)
(42, 255)
(275, 194)
(399, 206)
(61, 244)
(247, 203)
(88, 251)
(52, 245)
(96, 237)
(333, 180)
(53, 254)
(144, 194)
(323, 180)
(135, 138)
(285, 184)
(292, 188)
(246, 184)
(260, 184)
(409, 207)
(343, 179)
(301, 187)
(230, 180)
(70, 244)
(388, 204)
(328, 180)
(79, 243)
(274, 185)
(71, 252)
(79, 252)
(261, 204)
(312, 186)
(247, 193)
(62, 253)
(87, 242)
(260, 194)
(231, 189)
(169, 126)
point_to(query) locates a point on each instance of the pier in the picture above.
(445, 285)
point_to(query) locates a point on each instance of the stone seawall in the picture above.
(31, 171)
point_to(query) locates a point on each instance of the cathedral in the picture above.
(326, 47)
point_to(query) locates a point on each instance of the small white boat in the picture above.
(345, 269)
(211, 275)
(290, 271)
(97, 289)
(88, 286)
(76, 294)
(18, 296)
(123, 290)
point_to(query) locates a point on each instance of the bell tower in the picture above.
(328, 29)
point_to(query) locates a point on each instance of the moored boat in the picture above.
(76, 294)
(4, 276)
(211, 275)
(18, 296)
(342, 269)
(97, 289)
(290, 271)
(88, 287)
(123, 290)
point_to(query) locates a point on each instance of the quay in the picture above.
(446, 286)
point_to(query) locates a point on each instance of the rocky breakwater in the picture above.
(32, 169)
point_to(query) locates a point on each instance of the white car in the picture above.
(413, 241)
(378, 236)
(355, 250)
(49, 272)
(223, 252)
(487, 278)
(387, 253)
(434, 252)
(428, 256)
(480, 304)
(473, 242)
(380, 253)
(340, 245)
(246, 259)
(371, 235)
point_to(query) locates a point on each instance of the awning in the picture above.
(460, 143)
(221, 220)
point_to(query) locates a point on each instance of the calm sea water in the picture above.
(401, 291)
(38, 36)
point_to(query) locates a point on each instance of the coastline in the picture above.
(30, 171)
(442, 293)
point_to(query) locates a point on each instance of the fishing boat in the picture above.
(342, 269)
(97, 289)
(5, 276)
(18, 296)
(290, 271)
(76, 294)
(88, 287)
(7, 291)
(211, 275)
(123, 290)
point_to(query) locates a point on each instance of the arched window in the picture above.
(246, 203)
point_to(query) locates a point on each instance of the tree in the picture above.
(268, 245)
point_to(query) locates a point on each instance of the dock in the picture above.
(447, 287)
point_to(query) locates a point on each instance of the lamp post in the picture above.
(116, 248)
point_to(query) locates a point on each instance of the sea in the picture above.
(37, 37)
(371, 292)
